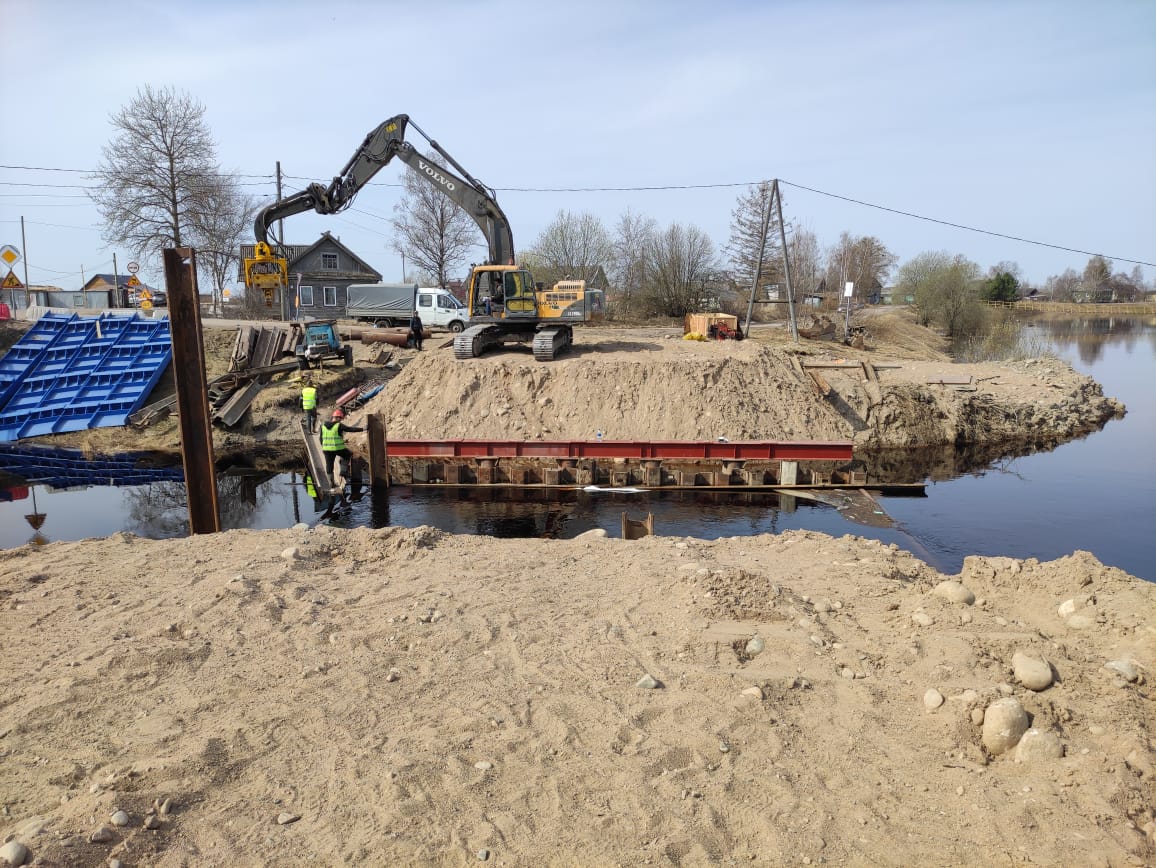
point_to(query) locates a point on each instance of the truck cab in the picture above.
(387, 304)
(439, 307)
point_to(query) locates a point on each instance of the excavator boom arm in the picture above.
(380, 146)
(373, 154)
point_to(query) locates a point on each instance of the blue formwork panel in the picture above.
(91, 373)
(26, 352)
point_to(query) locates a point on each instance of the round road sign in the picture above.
(133, 268)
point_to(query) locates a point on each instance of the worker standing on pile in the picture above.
(333, 439)
(309, 402)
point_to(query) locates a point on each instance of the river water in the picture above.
(1096, 494)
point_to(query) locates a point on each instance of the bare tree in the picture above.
(1063, 287)
(915, 278)
(1096, 273)
(678, 263)
(220, 228)
(863, 261)
(806, 269)
(1136, 278)
(573, 246)
(433, 232)
(159, 175)
(947, 292)
(632, 236)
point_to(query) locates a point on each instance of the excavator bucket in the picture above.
(266, 272)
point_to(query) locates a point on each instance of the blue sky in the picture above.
(1035, 120)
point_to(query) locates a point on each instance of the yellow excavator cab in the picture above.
(266, 272)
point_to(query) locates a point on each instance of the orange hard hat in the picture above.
(338, 413)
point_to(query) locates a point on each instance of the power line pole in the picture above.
(777, 196)
(280, 223)
(24, 250)
(764, 230)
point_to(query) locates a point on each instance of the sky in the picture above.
(1035, 120)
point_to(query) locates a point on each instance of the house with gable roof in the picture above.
(320, 275)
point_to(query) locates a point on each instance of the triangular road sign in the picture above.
(11, 282)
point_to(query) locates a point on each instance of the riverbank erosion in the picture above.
(404, 696)
(898, 392)
(670, 389)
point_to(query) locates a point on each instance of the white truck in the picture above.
(392, 304)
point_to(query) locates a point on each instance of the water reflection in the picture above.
(1033, 499)
(161, 510)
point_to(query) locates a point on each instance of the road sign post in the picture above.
(9, 256)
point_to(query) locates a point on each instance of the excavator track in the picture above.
(474, 341)
(548, 342)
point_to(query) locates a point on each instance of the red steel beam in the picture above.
(746, 450)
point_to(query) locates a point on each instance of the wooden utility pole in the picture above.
(764, 230)
(192, 389)
(24, 250)
(777, 197)
(775, 202)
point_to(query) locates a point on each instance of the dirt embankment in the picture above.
(650, 384)
(662, 388)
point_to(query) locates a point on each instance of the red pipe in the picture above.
(347, 396)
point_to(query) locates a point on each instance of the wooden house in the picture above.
(319, 277)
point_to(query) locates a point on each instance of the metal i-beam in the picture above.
(192, 389)
(749, 450)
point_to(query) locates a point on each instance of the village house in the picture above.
(319, 277)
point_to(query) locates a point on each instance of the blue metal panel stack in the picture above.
(68, 468)
(70, 373)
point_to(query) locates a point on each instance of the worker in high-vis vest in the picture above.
(333, 440)
(309, 404)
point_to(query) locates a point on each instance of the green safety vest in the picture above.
(309, 398)
(331, 439)
(310, 488)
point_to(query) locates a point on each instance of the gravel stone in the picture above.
(14, 853)
(1037, 745)
(1033, 672)
(1124, 668)
(957, 592)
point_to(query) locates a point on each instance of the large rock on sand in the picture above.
(1004, 723)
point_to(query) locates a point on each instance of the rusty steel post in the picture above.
(378, 451)
(192, 389)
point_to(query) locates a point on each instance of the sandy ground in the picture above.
(405, 697)
(408, 697)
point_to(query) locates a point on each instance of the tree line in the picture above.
(159, 184)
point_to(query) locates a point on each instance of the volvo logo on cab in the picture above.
(435, 174)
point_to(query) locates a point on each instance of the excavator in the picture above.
(505, 305)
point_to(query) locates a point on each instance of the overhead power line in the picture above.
(639, 189)
(968, 228)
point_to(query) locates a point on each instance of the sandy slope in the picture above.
(419, 698)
